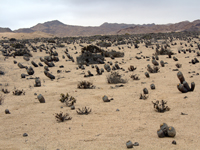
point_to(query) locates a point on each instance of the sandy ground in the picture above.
(104, 128)
(37, 34)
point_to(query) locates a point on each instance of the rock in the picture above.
(136, 144)
(1, 72)
(105, 98)
(152, 86)
(162, 63)
(145, 91)
(30, 71)
(23, 75)
(37, 83)
(25, 135)
(41, 98)
(129, 144)
(147, 74)
(174, 142)
(7, 111)
(72, 107)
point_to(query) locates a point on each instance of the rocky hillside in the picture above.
(177, 27)
(60, 29)
(5, 30)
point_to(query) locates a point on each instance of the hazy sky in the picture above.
(27, 13)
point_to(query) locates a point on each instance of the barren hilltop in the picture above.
(60, 29)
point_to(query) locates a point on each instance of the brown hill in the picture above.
(60, 29)
(5, 30)
(177, 27)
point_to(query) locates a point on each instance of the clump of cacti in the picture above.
(155, 69)
(60, 117)
(160, 107)
(135, 77)
(67, 99)
(84, 111)
(132, 68)
(145, 94)
(166, 131)
(183, 85)
(85, 85)
(18, 92)
(115, 78)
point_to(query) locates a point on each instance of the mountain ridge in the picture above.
(60, 29)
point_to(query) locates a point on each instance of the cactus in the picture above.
(152, 86)
(30, 71)
(155, 62)
(147, 74)
(49, 75)
(41, 98)
(34, 64)
(171, 132)
(180, 77)
(166, 131)
(183, 86)
(37, 83)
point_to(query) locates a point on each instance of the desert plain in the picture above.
(109, 125)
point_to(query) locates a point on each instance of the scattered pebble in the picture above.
(25, 135)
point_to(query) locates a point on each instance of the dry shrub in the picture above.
(85, 85)
(115, 78)
(60, 117)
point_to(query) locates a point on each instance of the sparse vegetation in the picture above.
(67, 99)
(18, 92)
(115, 78)
(60, 117)
(160, 107)
(85, 85)
(84, 111)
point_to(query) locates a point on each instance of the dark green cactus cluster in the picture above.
(166, 131)
(183, 85)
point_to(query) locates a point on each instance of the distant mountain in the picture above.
(5, 30)
(60, 29)
(177, 27)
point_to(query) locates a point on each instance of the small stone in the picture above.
(136, 144)
(174, 142)
(183, 113)
(25, 134)
(129, 144)
(105, 98)
(117, 109)
(72, 107)
(7, 111)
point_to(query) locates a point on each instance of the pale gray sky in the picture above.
(27, 13)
